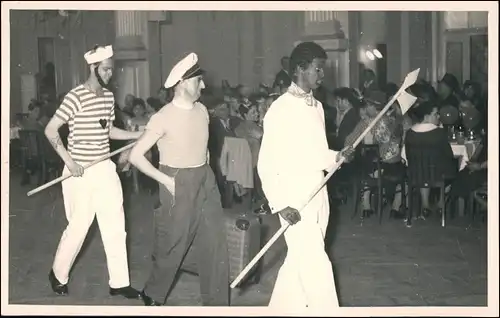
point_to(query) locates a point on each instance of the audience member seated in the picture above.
(346, 110)
(252, 132)
(36, 119)
(387, 134)
(426, 133)
(448, 88)
(473, 176)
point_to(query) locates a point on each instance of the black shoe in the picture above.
(127, 292)
(57, 287)
(148, 301)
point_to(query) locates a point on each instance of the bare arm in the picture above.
(137, 156)
(120, 134)
(52, 134)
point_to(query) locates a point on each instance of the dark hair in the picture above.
(423, 109)
(423, 91)
(138, 102)
(391, 89)
(349, 94)
(303, 55)
(34, 104)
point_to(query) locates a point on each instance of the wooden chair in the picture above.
(478, 201)
(367, 158)
(425, 170)
(37, 153)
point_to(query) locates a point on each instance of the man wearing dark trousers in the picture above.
(191, 211)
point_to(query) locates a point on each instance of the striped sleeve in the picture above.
(112, 116)
(68, 107)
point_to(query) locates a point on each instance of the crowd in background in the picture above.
(239, 111)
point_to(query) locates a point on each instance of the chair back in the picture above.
(368, 160)
(425, 167)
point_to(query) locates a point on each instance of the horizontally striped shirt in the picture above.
(89, 118)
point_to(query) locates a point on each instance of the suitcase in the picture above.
(244, 242)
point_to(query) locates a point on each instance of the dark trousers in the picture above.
(226, 188)
(193, 216)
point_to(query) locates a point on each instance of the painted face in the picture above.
(104, 71)
(193, 86)
(313, 75)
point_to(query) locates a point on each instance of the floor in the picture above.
(375, 264)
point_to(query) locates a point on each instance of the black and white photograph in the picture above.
(250, 158)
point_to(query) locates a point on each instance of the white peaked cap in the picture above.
(186, 68)
(98, 55)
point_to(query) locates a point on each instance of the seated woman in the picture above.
(387, 134)
(252, 132)
(473, 176)
(427, 133)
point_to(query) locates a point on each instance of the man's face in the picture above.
(313, 75)
(105, 70)
(193, 86)
(469, 91)
(222, 111)
(129, 100)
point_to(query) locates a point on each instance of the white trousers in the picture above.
(306, 277)
(97, 193)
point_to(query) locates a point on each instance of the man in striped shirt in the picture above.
(89, 111)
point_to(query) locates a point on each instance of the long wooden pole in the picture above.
(62, 178)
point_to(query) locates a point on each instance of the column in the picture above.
(405, 43)
(354, 34)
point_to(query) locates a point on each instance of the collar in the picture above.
(425, 127)
(298, 92)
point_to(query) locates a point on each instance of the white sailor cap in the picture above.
(186, 68)
(98, 54)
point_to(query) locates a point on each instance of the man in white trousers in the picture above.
(89, 111)
(292, 162)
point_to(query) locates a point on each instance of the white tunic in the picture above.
(292, 160)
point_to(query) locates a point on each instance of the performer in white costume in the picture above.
(89, 111)
(292, 162)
